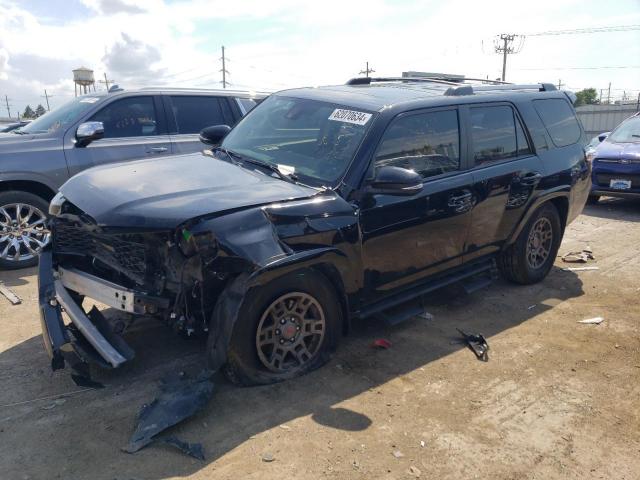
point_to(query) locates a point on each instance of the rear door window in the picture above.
(246, 104)
(193, 113)
(428, 143)
(559, 120)
(128, 117)
(493, 131)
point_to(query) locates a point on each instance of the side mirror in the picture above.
(395, 181)
(603, 136)
(87, 132)
(213, 135)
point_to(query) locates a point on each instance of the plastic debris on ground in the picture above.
(579, 257)
(381, 343)
(179, 399)
(592, 321)
(268, 457)
(579, 269)
(9, 295)
(477, 343)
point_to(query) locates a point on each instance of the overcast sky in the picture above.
(276, 44)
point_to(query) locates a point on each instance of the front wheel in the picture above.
(284, 329)
(23, 228)
(531, 257)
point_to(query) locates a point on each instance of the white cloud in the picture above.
(283, 43)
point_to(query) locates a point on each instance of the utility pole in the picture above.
(106, 81)
(600, 101)
(367, 70)
(560, 84)
(6, 99)
(224, 70)
(504, 45)
(46, 96)
(609, 94)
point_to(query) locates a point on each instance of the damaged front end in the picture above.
(172, 275)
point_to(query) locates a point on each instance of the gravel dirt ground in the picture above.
(557, 399)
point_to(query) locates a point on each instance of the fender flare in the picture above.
(544, 197)
(227, 309)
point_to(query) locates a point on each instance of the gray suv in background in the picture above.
(92, 130)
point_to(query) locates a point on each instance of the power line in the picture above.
(46, 96)
(580, 31)
(6, 99)
(367, 70)
(224, 70)
(578, 68)
(106, 81)
(504, 44)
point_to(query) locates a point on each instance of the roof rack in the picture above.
(443, 79)
(370, 80)
(472, 89)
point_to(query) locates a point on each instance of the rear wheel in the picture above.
(531, 257)
(23, 228)
(284, 329)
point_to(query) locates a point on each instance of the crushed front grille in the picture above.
(122, 252)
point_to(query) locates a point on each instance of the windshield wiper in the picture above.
(291, 177)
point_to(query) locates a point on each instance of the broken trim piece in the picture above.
(88, 329)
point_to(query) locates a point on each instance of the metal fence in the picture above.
(603, 118)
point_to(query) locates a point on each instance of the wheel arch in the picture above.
(328, 262)
(558, 198)
(40, 189)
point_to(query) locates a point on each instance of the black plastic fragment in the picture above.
(85, 381)
(180, 398)
(477, 343)
(194, 450)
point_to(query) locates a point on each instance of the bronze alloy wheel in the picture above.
(290, 332)
(539, 242)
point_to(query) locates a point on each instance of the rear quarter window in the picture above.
(559, 120)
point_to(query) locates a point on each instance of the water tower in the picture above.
(83, 80)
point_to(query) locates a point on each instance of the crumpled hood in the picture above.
(162, 193)
(618, 151)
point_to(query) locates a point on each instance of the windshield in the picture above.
(313, 140)
(60, 117)
(627, 132)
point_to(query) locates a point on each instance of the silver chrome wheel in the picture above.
(539, 242)
(290, 332)
(23, 232)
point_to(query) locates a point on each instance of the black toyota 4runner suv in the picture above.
(322, 205)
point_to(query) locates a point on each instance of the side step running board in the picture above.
(400, 307)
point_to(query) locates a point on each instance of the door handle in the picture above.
(530, 179)
(157, 150)
(461, 203)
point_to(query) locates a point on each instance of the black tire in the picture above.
(593, 199)
(244, 365)
(14, 197)
(514, 263)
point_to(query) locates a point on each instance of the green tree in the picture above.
(588, 96)
(28, 112)
(40, 110)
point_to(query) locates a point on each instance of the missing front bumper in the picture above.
(87, 336)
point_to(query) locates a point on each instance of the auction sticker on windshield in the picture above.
(350, 116)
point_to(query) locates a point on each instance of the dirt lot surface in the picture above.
(557, 399)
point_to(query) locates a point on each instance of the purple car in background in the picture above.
(616, 162)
